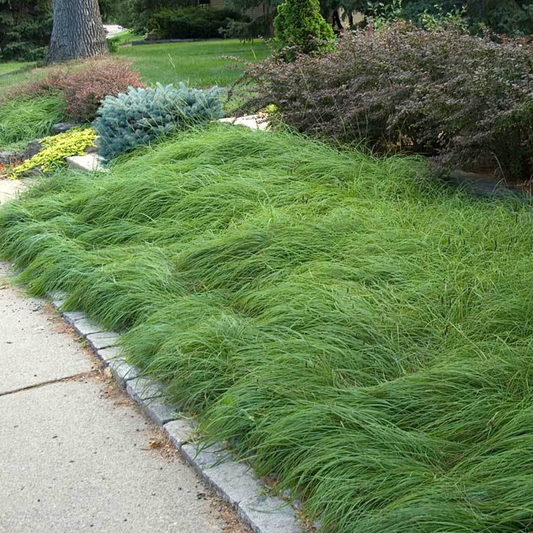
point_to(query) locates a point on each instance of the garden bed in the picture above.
(356, 331)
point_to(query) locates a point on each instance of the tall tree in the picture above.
(77, 32)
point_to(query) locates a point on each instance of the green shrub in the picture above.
(509, 17)
(23, 51)
(246, 31)
(29, 118)
(142, 115)
(84, 87)
(300, 24)
(193, 22)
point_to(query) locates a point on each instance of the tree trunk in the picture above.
(77, 32)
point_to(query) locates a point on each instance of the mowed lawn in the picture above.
(14, 73)
(200, 64)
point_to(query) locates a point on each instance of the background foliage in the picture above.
(25, 28)
(193, 22)
(464, 100)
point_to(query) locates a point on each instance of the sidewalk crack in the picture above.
(75, 377)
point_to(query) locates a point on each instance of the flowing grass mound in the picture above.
(360, 333)
(24, 120)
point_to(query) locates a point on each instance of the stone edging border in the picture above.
(233, 481)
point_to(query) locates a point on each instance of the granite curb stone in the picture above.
(86, 327)
(180, 431)
(122, 371)
(108, 355)
(158, 412)
(73, 316)
(102, 339)
(143, 389)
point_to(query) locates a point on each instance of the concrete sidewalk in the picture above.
(75, 453)
(9, 189)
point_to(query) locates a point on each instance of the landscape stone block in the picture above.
(86, 327)
(234, 481)
(87, 163)
(74, 316)
(202, 457)
(142, 389)
(58, 298)
(58, 303)
(109, 354)
(160, 413)
(266, 514)
(122, 371)
(180, 432)
(102, 339)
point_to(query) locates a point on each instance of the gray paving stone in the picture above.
(180, 432)
(87, 163)
(122, 371)
(57, 303)
(160, 413)
(109, 354)
(58, 298)
(102, 339)
(266, 514)
(86, 327)
(201, 457)
(73, 316)
(142, 389)
(237, 485)
(57, 295)
(234, 481)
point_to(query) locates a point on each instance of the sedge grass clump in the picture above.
(354, 330)
(23, 120)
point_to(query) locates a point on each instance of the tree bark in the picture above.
(77, 32)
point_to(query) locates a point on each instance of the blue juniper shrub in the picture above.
(142, 115)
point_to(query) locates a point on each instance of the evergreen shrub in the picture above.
(193, 22)
(299, 24)
(142, 115)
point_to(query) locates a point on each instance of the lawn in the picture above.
(200, 64)
(11, 74)
(353, 329)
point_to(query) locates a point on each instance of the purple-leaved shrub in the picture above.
(465, 101)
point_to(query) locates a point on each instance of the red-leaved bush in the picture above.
(85, 86)
(465, 101)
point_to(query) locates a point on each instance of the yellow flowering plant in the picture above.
(56, 149)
